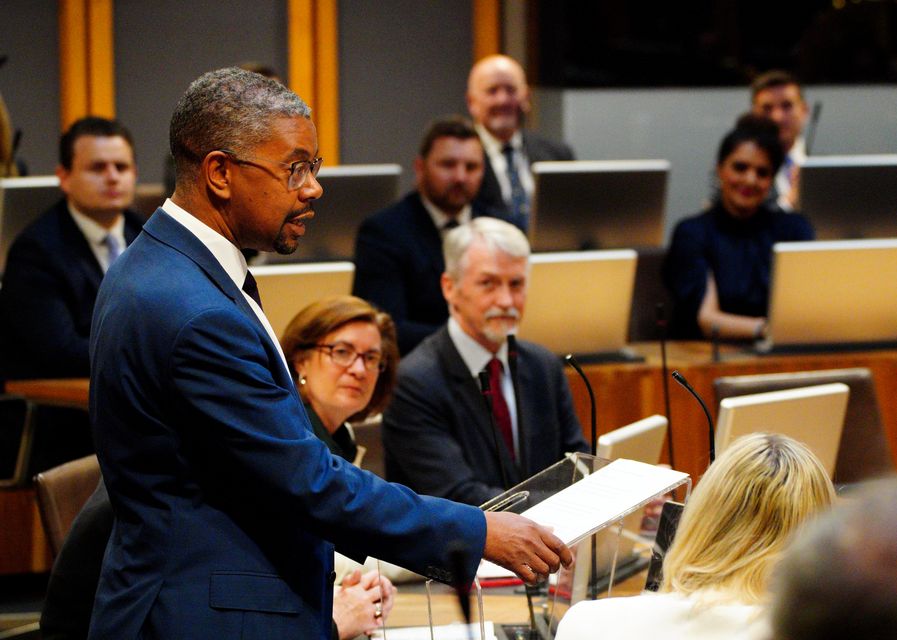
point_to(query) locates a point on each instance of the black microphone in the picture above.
(572, 362)
(521, 432)
(485, 389)
(678, 377)
(810, 136)
(660, 322)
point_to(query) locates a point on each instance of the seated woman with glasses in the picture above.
(343, 355)
(733, 530)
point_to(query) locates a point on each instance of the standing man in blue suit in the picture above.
(226, 505)
(398, 251)
(498, 101)
(439, 438)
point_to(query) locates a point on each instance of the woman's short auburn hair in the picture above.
(761, 490)
(321, 318)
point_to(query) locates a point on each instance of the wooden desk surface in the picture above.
(626, 392)
(70, 392)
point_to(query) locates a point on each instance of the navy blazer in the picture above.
(437, 433)
(399, 263)
(225, 502)
(538, 149)
(46, 302)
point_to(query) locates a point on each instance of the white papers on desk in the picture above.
(602, 498)
(442, 632)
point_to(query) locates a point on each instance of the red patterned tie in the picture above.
(499, 405)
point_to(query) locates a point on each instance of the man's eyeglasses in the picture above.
(299, 170)
(344, 355)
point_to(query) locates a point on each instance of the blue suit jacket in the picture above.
(46, 303)
(438, 435)
(398, 265)
(225, 502)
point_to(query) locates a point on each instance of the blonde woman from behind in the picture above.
(733, 530)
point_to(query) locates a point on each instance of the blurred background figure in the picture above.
(839, 579)
(718, 265)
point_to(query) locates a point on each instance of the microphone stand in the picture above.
(678, 377)
(593, 573)
(661, 323)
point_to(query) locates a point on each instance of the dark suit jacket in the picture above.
(47, 298)
(398, 264)
(538, 149)
(225, 502)
(437, 433)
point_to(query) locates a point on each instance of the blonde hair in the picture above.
(325, 316)
(738, 520)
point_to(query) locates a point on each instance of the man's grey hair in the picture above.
(227, 109)
(839, 578)
(496, 234)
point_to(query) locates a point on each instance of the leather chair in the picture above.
(367, 436)
(16, 439)
(863, 452)
(61, 493)
(648, 292)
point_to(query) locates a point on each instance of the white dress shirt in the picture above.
(476, 358)
(95, 234)
(494, 150)
(228, 256)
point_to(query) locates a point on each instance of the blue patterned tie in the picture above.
(113, 246)
(519, 200)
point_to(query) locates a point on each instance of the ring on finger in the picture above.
(378, 610)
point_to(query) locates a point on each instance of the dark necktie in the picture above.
(451, 224)
(519, 200)
(499, 405)
(252, 289)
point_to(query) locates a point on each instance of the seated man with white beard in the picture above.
(437, 432)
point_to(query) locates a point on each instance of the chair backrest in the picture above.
(649, 291)
(16, 438)
(863, 451)
(61, 493)
(367, 435)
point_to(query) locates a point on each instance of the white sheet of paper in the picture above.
(602, 497)
(598, 499)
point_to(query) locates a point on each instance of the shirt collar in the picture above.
(493, 145)
(474, 355)
(440, 219)
(225, 252)
(798, 151)
(94, 231)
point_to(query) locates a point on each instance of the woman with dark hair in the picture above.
(718, 266)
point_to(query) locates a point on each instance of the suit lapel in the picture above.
(467, 391)
(167, 230)
(428, 234)
(74, 242)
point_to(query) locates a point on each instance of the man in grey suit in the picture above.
(439, 436)
(498, 102)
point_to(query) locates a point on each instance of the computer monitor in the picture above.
(600, 204)
(22, 200)
(641, 441)
(849, 197)
(835, 294)
(579, 302)
(811, 415)
(351, 193)
(286, 289)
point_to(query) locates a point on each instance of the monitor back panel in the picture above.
(579, 302)
(812, 415)
(849, 197)
(351, 194)
(22, 200)
(834, 293)
(611, 204)
(288, 288)
(641, 441)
